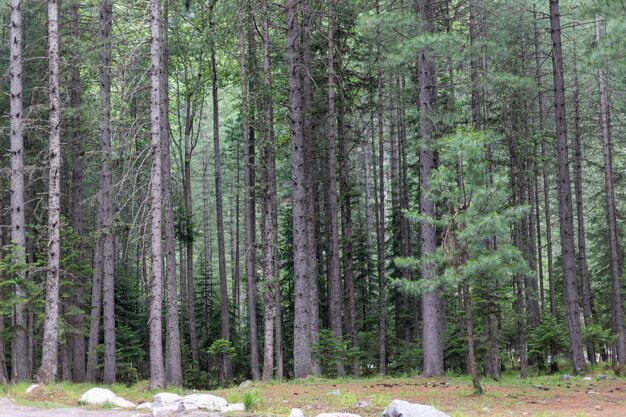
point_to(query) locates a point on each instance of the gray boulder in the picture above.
(205, 401)
(166, 399)
(97, 396)
(399, 408)
(337, 415)
(296, 412)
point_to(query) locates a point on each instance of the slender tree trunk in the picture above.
(580, 219)
(302, 309)
(309, 164)
(48, 371)
(77, 211)
(249, 199)
(157, 368)
(105, 190)
(566, 225)
(432, 336)
(380, 229)
(469, 325)
(221, 251)
(614, 248)
(19, 361)
(346, 221)
(334, 279)
(173, 365)
(268, 178)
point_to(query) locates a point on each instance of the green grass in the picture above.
(251, 400)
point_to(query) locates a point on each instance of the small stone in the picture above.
(337, 415)
(400, 408)
(334, 392)
(296, 412)
(362, 404)
(245, 384)
(587, 378)
(565, 377)
(593, 393)
(598, 407)
(601, 377)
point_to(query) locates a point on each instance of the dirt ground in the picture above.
(8, 408)
(532, 397)
(578, 398)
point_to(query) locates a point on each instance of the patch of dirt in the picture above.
(586, 398)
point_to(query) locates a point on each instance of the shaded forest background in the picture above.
(200, 192)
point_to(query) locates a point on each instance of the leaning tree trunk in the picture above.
(48, 371)
(227, 372)
(18, 237)
(300, 208)
(157, 368)
(566, 224)
(614, 248)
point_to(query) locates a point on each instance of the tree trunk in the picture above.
(614, 248)
(48, 371)
(268, 179)
(249, 193)
(310, 178)
(380, 228)
(302, 309)
(77, 211)
(469, 325)
(566, 224)
(157, 368)
(105, 190)
(173, 365)
(334, 279)
(580, 219)
(20, 361)
(432, 335)
(219, 211)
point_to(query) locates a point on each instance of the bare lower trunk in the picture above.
(20, 362)
(566, 225)
(78, 322)
(302, 308)
(469, 325)
(157, 368)
(249, 198)
(227, 371)
(173, 365)
(49, 351)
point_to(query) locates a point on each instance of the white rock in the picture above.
(122, 403)
(144, 406)
(236, 407)
(399, 408)
(296, 412)
(32, 388)
(164, 399)
(97, 396)
(206, 401)
(183, 406)
(587, 378)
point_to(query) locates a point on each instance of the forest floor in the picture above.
(544, 396)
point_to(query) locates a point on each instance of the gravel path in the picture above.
(8, 408)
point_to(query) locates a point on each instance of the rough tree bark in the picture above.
(302, 309)
(566, 225)
(157, 368)
(18, 238)
(48, 371)
(173, 365)
(431, 310)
